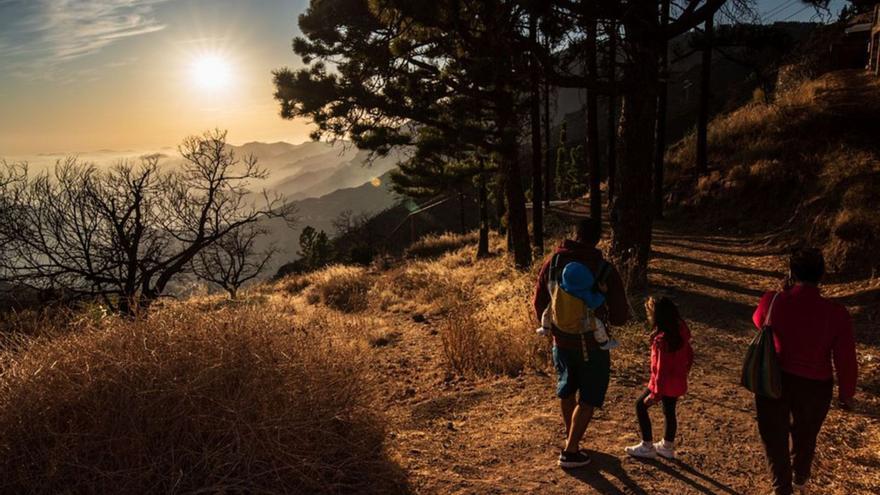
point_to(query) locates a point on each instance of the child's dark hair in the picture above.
(668, 321)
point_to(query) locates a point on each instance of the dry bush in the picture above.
(497, 339)
(293, 284)
(432, 246)
(425, 288)
(344, 288)
(50, 321)
(482, 308)
(233, 401)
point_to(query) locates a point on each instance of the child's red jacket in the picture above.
(669, 370)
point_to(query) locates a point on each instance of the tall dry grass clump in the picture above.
(230, 401)
(481, 309)
(435, 245)
(341, 287)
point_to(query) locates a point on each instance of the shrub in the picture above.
(183, 401)
(293, 284)
(343, 288)
(497, 339)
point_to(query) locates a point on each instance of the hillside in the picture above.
(804, 166)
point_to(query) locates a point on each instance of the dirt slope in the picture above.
(501, 435)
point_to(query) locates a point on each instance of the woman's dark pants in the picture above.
(798, 414)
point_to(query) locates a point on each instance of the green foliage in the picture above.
(314, 249)
(571, 181)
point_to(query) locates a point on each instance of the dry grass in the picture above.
(485, 323)
(343, 288)
(239, 400)
(432, 246)
(808, 161)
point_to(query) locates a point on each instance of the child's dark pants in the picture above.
(645, 420)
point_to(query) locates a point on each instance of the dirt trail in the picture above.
(502, 435)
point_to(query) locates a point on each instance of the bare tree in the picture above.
(234, 259)
(125, 233)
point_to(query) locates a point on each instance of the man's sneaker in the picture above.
(644, 450)
(571, 460)
(665, 449)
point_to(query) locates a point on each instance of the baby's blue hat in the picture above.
(578, 281)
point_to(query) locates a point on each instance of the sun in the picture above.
(211, 71)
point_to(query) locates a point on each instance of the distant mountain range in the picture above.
(368, 198)
(313, 169)
(323, 180)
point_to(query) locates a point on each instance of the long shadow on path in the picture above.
(594, 475)
(709, 264)
(701, 246)
(710, 282)
(703, 484)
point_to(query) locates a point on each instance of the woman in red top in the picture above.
(671, 360)
(813, 337)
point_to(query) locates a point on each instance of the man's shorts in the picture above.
(590, 377)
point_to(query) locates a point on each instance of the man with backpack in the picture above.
(583, 366)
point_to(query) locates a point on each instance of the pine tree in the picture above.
(314, 249)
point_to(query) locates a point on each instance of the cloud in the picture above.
(40, 35)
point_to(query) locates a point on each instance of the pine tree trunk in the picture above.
(662, 96)
(517, 220)
(483, 244)
(461, 213)
(535, 121)
(508, 153)
(705, 96)
(500, 207)
(549, 162)
(612, 112)
(591, 150)
(632, 211)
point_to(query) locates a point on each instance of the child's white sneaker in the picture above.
(644, 450)
(542, 331)
(665, 449)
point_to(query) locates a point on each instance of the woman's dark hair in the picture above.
(668, 322)
(807, 265)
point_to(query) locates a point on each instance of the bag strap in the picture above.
(602, 275)
(555, 275)
(770, 310)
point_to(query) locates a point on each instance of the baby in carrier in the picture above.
(575, 294)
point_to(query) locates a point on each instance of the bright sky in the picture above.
(85, 75)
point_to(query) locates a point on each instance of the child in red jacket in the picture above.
(671, 360)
